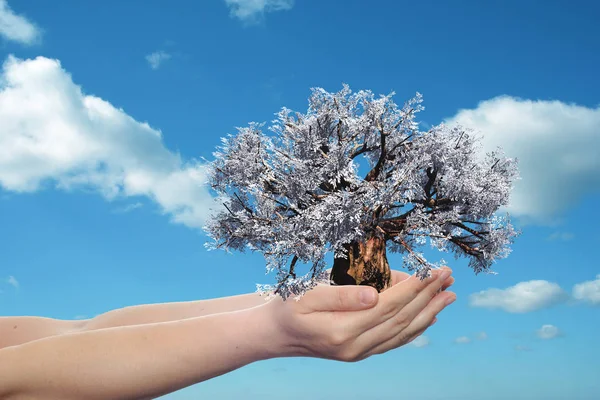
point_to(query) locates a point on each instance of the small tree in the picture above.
(296, 194)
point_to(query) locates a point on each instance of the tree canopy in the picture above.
(295, 193)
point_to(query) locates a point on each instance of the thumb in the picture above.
(343, 298)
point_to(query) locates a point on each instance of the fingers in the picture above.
(398, 276)
(377, 326)
(413, 308)
(394, 301)
(340, 298)
(387, 325)
(449, 282)
(429, 313)
(422, 331)
(398, 296)
(424, 320)
(355, 298)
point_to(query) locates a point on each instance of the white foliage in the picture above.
(296, 194)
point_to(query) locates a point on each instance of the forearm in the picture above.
(18, 330)
(163, 312)
(138, 362)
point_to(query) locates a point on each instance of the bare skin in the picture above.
(137, 353)
(19, 330)
(402, 313)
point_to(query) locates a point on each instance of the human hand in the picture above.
(399, 276)
(331, 322)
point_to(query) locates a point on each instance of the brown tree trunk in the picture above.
(366, 265)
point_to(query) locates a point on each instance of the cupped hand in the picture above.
(334, 322)
(399, 276)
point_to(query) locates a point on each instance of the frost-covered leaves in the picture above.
(290, 285)
(297, 192)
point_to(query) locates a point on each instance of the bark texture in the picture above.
(366, 264)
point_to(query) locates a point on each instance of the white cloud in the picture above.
(13, 282)
(462, 340)
(157, 58)
(557, 144)
(129, 208)
(548, 332)
(520, 298)
(562, 236)
(588, 291)
(481, 336)
(420, 341)
(16, 27)
(52, 134)
(251, 11)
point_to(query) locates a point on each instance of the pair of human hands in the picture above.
(332, 322)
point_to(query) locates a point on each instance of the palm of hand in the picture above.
(330, 322)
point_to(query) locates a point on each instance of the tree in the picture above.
(296, 194)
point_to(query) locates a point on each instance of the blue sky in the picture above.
(107, 110)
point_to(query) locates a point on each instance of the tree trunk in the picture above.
(366, 265)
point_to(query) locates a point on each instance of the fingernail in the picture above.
(367, 297)
(450, 300)
(445, 274)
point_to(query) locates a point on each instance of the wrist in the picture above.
(268, 338)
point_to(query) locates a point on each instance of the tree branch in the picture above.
(459, 139)
(431, 174)
(399, 144)
(315, 196)
(362, 150)
(479, 234)
(374, 173)
(474, 251)
(285, 206)
(291, 273)
(247, 208)
(401, 241)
